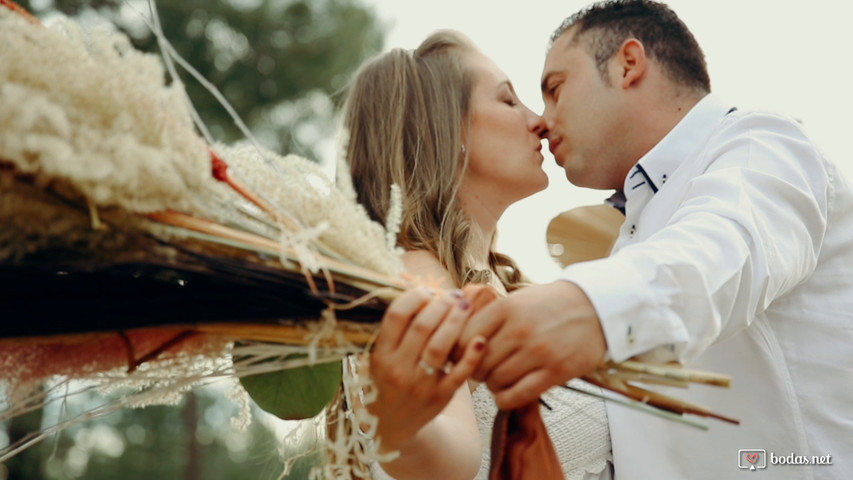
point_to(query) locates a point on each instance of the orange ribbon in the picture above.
(18, 9)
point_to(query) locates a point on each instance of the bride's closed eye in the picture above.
(508, 96)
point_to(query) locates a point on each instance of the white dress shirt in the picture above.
(736, 256)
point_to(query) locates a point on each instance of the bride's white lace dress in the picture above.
(577, 425)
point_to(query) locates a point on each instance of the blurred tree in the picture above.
(26, 464)
(190, 441)
(276, 61)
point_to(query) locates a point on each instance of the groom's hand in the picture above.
(538, 337)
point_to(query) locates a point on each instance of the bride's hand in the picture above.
(410, 364)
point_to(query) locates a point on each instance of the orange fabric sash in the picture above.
(521, 447)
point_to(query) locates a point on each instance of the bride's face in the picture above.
(503, 140)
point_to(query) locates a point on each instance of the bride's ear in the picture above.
(464, 151)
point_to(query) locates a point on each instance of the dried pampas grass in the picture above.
(181, 260)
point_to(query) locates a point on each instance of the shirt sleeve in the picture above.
(746, 230)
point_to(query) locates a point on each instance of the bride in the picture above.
(444, 125)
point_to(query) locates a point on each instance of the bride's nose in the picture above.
(537, 125)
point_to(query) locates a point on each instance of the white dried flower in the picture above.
(95, 112)
(343, 179)
(395, 218)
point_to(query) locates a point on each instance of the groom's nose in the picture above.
(546, 131)
(549, 122)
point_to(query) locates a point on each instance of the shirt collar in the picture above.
(688, 135)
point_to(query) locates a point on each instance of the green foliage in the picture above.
(296, 393)
(276, 61)
(193, 440)
(26, 464)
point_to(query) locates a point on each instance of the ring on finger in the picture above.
(448, 366)
(428, 369)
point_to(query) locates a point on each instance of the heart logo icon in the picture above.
(751, 457)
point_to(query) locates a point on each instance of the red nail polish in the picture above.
(464, 304)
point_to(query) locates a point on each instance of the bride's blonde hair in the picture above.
(407, 114)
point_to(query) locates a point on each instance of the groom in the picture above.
(736, 256)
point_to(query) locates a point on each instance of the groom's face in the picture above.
(584, 114)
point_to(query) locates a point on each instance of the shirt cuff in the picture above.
(632, 322)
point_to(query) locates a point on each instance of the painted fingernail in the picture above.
(457, 294)
(479, 344)
(464, 304)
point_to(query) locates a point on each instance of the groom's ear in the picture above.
(632, 62)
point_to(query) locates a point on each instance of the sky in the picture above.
(789, 57)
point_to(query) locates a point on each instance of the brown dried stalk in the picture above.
(358, 276)
(613, 377)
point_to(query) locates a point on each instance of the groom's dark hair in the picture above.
(604, 26)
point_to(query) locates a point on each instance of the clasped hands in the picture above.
(537, 337)
(431, 342)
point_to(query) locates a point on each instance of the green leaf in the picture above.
(295, 393)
